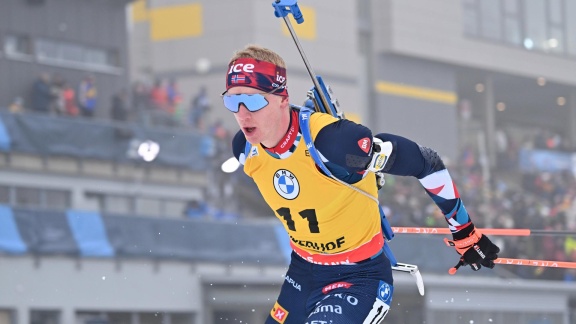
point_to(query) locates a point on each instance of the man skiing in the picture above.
(338, 272)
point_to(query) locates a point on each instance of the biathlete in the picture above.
(338, 273)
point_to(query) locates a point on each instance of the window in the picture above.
(76, 56)
(92, 318)
(535, 22)
(4, 195)
(512, 24)
(571, 26)
(57, 199)
(556, 11)
(18, 47)
(148, 207)
(511, 7)
(174, 208)
(118, 204)
(539, 25)
(491, 19)
(35, 197)
(138, 205)
(28, 197)
(513, 34)
(471, 18)
(44, 317)
(7, 316)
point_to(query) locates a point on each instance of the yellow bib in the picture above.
(328, 223)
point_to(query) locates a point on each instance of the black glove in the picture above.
(475, 249)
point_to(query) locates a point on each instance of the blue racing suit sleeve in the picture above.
(406, 158)
(411, 159)
(346, 145)
(238, 145)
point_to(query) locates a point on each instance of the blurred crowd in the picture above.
(508, 199)
(156, 104)
(152, 104)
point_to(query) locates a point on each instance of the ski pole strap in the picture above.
(305, 128)
(386, 228)
(388, 235)
(247, 149)
(389, 254)
(304, 117)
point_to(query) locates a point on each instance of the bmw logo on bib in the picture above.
(286, 184)
(385, 292)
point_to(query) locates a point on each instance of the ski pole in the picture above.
(524, 262)
(487, 231)
(282, 8)
(321, 92)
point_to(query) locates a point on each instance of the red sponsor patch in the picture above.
(336, 285)
(279, 313)
(364, 144)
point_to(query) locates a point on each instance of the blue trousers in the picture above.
(334, 294)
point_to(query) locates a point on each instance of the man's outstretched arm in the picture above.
(410, 159)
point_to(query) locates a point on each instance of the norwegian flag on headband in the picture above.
(239, 79)
(257, 74)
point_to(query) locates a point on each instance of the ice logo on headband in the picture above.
(280, 78)
(248, 68)
(281, 81)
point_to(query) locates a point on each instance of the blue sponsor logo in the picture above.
(385, 292)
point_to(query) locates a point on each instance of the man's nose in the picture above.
(243, 112)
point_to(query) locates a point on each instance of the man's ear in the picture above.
(285, 102)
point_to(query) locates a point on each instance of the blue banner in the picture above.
(97, 139)
(90, 234)
(10, 238)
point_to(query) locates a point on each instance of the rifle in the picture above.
(324, 102)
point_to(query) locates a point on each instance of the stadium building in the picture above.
(124, 222)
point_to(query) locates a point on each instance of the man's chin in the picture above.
(251, 138)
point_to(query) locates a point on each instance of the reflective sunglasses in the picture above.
(252, 102)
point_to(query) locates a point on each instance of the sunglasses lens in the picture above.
(253, 102)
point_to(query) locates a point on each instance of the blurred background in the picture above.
(114, 207)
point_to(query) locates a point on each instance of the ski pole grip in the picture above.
(285, 7)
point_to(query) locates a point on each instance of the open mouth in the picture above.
(249, 130)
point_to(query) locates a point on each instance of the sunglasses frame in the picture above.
(260, 94)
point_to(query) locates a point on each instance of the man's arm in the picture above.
(345, 147)
(410, 159)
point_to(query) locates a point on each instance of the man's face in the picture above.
(262, 126)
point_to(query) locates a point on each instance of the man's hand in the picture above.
(475, 248)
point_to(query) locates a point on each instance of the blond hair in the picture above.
(259, 53)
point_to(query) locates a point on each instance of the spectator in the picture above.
(57, 88)
(17, 106)
(119, 110)
(141, 102)
(69, 95)
(195, 209)
(198, 108)
(162, 113)
(222, 137)
(173, 96)
(159, 96)
(87, 97)
(42, 94)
